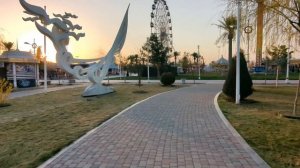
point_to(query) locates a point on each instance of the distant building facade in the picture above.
(20, 68)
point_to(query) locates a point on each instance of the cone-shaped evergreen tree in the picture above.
(246, 81)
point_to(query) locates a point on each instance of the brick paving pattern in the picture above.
(175, 129)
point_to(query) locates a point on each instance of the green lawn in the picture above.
(34, 128)
(259, 121)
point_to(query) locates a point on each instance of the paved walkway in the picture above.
(180, 128)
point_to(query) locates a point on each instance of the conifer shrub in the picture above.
(245, 79)
(167, 78)
(5, 90)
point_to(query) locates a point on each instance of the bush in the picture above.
(246, 81)
(167, 78)
(5, 90)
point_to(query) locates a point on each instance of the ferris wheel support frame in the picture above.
(161, 23)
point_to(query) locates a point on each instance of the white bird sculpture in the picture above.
(60, 34)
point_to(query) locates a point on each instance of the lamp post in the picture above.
(58, 72)
(120, 66)
(199, 75)
(288, 60)
(148, 69)
(45, 61)
(34, 46)
(248, 30)
(238, 74)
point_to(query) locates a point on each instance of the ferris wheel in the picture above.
(161, 23)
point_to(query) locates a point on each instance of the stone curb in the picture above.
(241, 140)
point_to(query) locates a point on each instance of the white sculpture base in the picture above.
(96, 90)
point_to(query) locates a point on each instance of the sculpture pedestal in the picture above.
(96, 89)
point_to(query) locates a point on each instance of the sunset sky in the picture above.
(192, 25)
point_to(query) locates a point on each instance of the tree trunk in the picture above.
(260, 25)
(158, 72)
(277, 69)
(125, 76)
(229, 50)
(296, 98)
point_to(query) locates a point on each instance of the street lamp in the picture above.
(238, 73)
(248, 29)
(199, 76)
(34, 46)
(45, 61)
(148, 69)
(288, 56)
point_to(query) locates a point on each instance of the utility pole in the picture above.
(238, 73)
(199, 69)
(288, 56)
(148, 69)
(45, 60)
(37, 75)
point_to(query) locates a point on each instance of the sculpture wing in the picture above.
(34, 10)
(44, 31)
(97, 72)
(121, 36)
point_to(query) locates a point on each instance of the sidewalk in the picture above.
(39, 90)
(82, 83)
(181, 128)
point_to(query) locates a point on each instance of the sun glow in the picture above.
(32, 36)
(77, 48)
(101, 24)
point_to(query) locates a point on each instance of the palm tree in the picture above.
(8, 45)
(132, 59)
(176, 54)
(195, 57)
(185, 63)
(228, 24)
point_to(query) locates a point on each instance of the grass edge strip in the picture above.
(240, 139)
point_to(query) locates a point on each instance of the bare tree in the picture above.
(289, 10)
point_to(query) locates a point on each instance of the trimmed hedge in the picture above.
(246, 81)
(167, 78)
